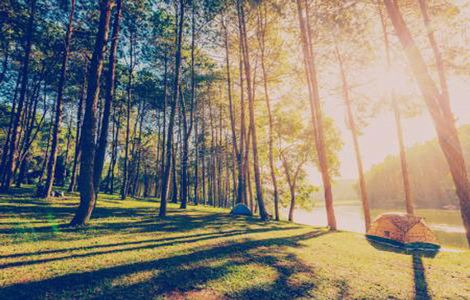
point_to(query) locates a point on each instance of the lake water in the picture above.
(445, 223)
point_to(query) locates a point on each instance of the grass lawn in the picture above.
(202, 253)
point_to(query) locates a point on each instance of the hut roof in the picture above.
(403, 228)
(402, 221)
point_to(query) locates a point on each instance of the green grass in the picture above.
(202, 253)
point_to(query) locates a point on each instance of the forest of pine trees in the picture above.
(225, 102)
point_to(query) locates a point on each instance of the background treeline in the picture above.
(431, 182)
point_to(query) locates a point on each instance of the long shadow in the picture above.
(170, 277)
(177, 222)
(421, 290)
(222, 233)
(18, 192)
(152, 244)
(420, 283)
(39, 209)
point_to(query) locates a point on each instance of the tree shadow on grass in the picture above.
(16, 192)
(133, 220)
(421, 290)
(182, 273)
(130, 246)
(146, 222)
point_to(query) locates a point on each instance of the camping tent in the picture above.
(241, 210)
(403, 229)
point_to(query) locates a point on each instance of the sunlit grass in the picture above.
(127, 252)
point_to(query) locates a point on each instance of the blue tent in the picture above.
(241, 210)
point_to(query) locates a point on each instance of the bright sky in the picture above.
(379, 138)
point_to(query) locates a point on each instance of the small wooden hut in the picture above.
(403, 229)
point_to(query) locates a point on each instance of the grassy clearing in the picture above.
(202, 253)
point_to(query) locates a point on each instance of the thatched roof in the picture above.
(402, 221)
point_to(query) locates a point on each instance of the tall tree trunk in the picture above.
(5, 147)
(108, 102)
(196, 155)
(164, 130)
(77, 152)
(174, 180)
(241, 192)
(220, 192)
(237, 151)
(46, 153)
(352, 126)
(66, 154)
(138, 153)
(29, 135)
(438, 106)
(125, 173)
(58, 107)
(114, 155)
(169, 141)
(445, 103)
(157, 156)
(212, 154)
(256, 168)
(203, 150)
(315, 107)
(187, 128)
(90, 121)
(14, 137)
(396, 111)
(262, 15)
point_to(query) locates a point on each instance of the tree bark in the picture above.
(315, 107)
(58, 107)
(261, 39)
(441, 71)
(241, 191)
(46, 153)
(66, 154)
(14, 137)
(164, 130)
(292, 183)
(5, 147)
(354, 131)
(110, 89)
(31, 131)
(125, 173)
(138, 151)
(90, 121)
(169, 141)
(114, 155)
(256, 168)
(187, 129)
(77, 152)
(238, 155)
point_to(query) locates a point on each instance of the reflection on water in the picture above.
(350, 218)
